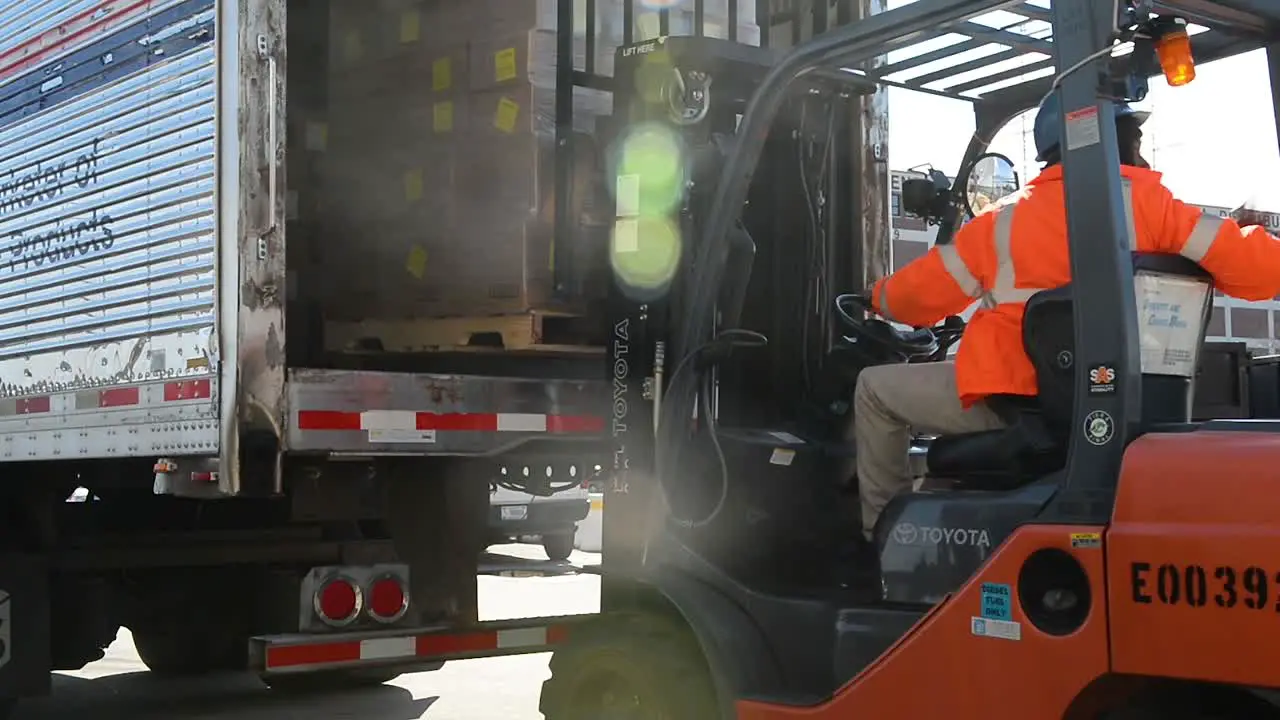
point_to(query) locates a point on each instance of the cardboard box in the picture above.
(526, 57)
(437, 159)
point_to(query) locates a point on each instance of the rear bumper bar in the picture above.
(415, 648)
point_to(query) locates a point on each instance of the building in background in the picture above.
(1254, 323)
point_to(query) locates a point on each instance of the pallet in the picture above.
(531, 331)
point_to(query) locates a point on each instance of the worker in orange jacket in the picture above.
(1006, 254)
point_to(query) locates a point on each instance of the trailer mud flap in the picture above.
(24, 625)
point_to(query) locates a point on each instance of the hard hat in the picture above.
(1048, 129)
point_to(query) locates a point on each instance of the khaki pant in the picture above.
(890, 404)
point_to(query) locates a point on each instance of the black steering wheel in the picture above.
(918, 343)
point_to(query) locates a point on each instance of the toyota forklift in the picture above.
(1102, 557)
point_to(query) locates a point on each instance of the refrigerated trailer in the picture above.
(244, 483)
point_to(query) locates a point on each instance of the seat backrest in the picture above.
(1174, 298)
(1048, 336)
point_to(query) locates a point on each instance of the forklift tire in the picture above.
(331, 681)
(558, 546)
(1193, 701)
(634, 665)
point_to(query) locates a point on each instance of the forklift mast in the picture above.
(723, 517)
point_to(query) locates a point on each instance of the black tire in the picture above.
(558, 546)
(174, 652)
(329, 681)
(635, 666)
(1193, 701)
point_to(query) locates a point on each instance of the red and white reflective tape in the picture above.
(106, 399)
(76, 31)
(292, 655)
(382, 420)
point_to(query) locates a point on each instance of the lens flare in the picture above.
(645, 255)
(650, 162)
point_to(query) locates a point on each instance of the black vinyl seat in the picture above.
(1035, 442)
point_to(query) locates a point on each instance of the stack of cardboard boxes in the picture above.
(433, 159)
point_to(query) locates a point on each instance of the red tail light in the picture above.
(338, 602)
(388, 599)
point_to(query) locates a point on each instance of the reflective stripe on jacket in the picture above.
(1018, 247)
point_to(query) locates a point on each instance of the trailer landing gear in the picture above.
(629, 666)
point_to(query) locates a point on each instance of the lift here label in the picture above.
(1197, 586)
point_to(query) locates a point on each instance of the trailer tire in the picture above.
(558, 546)
(329, 681)
(642, 660)
(174, 652)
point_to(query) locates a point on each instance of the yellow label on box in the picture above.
(410, 26)
(504, 65)
(442, 117)
(442, 74)
(413, 185)
(352, 45)
(416, 263)
(507, 115)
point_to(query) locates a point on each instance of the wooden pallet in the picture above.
(527, 331)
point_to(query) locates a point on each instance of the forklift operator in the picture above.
(1010, 251)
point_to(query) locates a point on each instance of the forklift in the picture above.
(1131, 572)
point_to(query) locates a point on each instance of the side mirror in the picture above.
(990, 178)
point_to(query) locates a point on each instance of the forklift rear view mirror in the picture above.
(990, 179)
(927, 197)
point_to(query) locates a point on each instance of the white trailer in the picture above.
(238, 488)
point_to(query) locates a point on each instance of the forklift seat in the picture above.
(1035, 441)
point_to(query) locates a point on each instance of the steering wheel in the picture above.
(910, 344)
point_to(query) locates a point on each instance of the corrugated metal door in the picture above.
(107, 228)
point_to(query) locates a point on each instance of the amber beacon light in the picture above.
(1173, 48)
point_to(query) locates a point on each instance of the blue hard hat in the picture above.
(1048, 130)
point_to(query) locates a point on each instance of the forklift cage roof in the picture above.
(1003, 56)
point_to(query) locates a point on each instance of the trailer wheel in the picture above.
(634, 666)
(172, 651)
(558, 546)
(329, 681)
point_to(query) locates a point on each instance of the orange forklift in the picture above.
(1106, 557)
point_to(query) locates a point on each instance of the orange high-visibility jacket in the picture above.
(1019, 247)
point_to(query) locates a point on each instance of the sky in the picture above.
(1214, 139)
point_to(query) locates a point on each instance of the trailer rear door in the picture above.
(108, 228)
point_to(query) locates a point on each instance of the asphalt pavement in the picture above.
(118, 687)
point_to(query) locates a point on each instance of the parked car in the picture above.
(554, 519)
